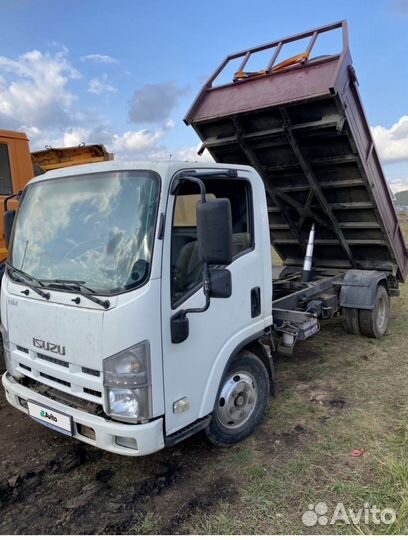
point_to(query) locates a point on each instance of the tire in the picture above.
(351, 321)
(241, 401)
(374, 322)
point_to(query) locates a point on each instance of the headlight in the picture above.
(130, 403)
(127, 379)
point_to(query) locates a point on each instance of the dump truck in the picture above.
(139, 305)
(18, 165)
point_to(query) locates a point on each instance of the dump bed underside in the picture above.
(305, 132)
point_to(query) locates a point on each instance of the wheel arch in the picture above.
(260, 350)
(359, 288)
(250, 344)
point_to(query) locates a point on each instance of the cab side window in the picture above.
(186, 267)
(5, 173)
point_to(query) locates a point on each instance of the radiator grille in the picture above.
(92, 392)
(23, 366)
(53, 360)
(89, 371)
(55, 379)
(79, 381)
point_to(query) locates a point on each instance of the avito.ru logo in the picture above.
(48, 416)
(318, 514)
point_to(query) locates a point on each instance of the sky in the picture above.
(124, 73)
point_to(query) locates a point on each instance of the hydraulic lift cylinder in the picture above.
(307, 265)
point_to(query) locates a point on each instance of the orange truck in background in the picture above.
(18, 165)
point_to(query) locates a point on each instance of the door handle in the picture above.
(255, 302)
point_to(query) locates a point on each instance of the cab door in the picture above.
(189, 365)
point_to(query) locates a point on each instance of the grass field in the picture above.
(340, 393)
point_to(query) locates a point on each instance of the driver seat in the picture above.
(188, 268)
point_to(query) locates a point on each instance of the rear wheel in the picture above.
(350, 321)
(374, 322)
(241, 401)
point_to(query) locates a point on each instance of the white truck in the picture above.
(138, 304)
(108, 333)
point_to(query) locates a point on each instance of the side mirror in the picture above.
(9, 216)
(220, 283)
(179, 327)
(214, 231)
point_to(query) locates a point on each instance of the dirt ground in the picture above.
(338, 393)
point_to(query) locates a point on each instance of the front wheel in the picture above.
(241, 402)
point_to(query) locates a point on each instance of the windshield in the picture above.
(95, 228)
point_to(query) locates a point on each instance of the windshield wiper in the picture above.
(30, 281)
(80, 288)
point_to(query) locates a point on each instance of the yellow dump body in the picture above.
(56, 158)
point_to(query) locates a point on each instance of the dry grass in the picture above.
(338, 394)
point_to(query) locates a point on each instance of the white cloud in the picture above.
(101, 86)
(136, 141)
(131, 145)
(398, 184)
(190, 154)
(99, 58)
(75, 136)
(36, 97)
(170, 124)
(392, 143)
(147, 145)
(40, 138)
(33, 90)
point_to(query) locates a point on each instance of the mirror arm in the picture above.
(12, 196)
(207, 288)
(198, 181)
(179, 324)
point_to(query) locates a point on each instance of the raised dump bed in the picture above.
(301, 124)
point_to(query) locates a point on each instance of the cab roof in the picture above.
(164, 168)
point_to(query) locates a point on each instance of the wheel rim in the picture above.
(237, 400)
(381, 313)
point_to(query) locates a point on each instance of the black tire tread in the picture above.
(351, 321)
(368, 317)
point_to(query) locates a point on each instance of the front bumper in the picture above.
(149, 436)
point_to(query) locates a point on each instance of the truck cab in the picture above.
(125, 323)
